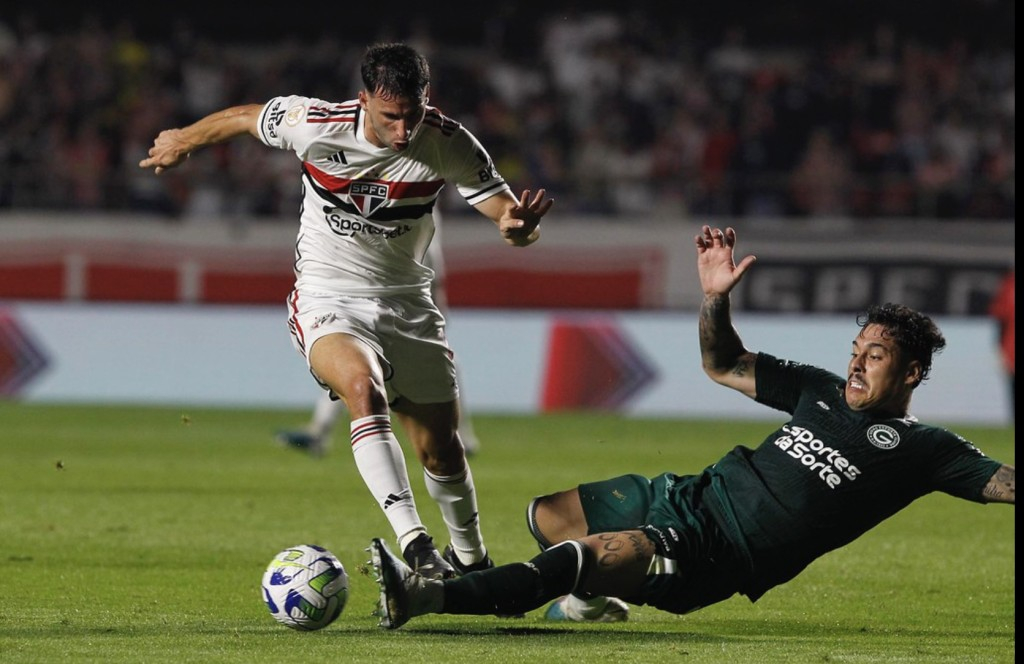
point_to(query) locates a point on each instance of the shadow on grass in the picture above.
(716, 632)
(738, 631)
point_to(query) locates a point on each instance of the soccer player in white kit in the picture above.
(361, 312)
(315, 437)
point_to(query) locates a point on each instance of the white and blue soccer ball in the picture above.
(305, 587)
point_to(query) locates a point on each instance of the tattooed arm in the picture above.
(1002, 486)
(723, 356)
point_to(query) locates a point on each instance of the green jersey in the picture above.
(829, 474)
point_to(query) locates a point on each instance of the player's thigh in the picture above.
(556, 518)
(609, 505)
(350, 367)
(338, 336)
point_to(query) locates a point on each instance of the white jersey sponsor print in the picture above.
(367, 212)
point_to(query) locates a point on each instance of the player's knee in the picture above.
(362, 394)
(442, 458)
(552, 519)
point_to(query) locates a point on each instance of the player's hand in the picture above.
(719, 274)
(520, 225)
(169, 149)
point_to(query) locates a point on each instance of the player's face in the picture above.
(391, 121)
(877, 378)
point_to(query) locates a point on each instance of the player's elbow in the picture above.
(714, 372)
(737, 374)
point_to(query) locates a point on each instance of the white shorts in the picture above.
(406, 331)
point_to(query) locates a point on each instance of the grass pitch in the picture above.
(141, 534)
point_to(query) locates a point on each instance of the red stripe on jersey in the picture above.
(332, 113)
(338, 185)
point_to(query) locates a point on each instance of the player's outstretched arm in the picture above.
(517, 220)
(173, 146)
(1002, 486)
(724, 358)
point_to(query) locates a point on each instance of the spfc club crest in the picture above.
(368, 196)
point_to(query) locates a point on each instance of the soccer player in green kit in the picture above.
(851, 456)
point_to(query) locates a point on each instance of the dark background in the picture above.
(981, 23)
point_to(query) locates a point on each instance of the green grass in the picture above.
(141, 534)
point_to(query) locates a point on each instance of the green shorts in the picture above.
(695, 565)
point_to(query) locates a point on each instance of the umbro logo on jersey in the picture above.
(883, 436)
(368, 196)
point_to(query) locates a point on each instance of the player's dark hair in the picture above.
(395, 70)
(915, 333)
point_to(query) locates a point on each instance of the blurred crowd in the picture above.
(624, 113)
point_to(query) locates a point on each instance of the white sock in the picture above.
(382, 466)
(325, 415)
(456, 496)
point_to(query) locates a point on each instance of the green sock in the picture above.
(518, 587)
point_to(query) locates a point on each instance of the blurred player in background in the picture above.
(1003, 309)
(315, 437)
(850, 457)
(362, 313)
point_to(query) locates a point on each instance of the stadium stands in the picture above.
(668, 115)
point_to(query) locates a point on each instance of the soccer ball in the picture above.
(305, 587)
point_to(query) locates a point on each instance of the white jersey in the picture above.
(367, 212)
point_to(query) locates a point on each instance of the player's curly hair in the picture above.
(916, 334)
(395, 70)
